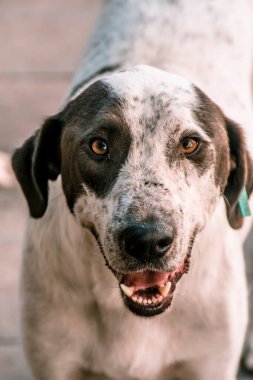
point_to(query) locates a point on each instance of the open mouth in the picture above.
(148, 293)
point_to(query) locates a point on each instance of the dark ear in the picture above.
(37, 161)
(241, 173)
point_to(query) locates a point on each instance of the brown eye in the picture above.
(189, 145)
(100, 147)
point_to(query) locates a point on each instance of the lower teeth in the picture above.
(147, 301)
(151, 296)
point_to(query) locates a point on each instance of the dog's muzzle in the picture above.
(149, 291)
(147, 287)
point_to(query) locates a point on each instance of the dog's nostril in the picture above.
(145, 241)
(164, 244)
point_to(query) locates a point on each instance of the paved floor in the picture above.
(41, 43)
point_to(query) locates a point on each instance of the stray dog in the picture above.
(144, 219)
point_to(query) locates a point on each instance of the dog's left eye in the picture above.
(100, 147)
(189, 145)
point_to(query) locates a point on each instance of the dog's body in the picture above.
(76, 325)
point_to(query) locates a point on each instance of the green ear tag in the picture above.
(243, 203)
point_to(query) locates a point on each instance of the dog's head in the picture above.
(144, 158)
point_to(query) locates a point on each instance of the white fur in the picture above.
(73, 313)
(118, 343)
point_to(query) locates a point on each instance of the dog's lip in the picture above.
(150, 292)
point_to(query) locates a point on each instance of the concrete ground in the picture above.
(41, 44)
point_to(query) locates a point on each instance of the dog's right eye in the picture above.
(189, 145)
(99, 146)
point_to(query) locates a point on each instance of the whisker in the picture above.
(226, 200)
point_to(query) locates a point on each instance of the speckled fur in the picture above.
(148, 176)
(75, 323)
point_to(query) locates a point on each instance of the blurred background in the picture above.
(41, 45)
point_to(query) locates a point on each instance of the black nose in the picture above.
(145, 242)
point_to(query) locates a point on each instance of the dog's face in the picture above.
(144, 158)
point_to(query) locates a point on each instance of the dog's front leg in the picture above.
(56, 369)
(57, 342)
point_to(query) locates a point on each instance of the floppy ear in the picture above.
(37, 161)
(241, 173)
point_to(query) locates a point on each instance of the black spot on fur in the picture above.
(158, 107)
(210, 118)
(154, 184)
(141, 120)
(105, 69)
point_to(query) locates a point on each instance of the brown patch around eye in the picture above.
(100, 147)
(189, 145)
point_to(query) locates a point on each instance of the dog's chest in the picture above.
(147, 349)
(129, 345)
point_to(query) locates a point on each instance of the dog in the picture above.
(133, 263)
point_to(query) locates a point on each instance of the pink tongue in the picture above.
(145, 279)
